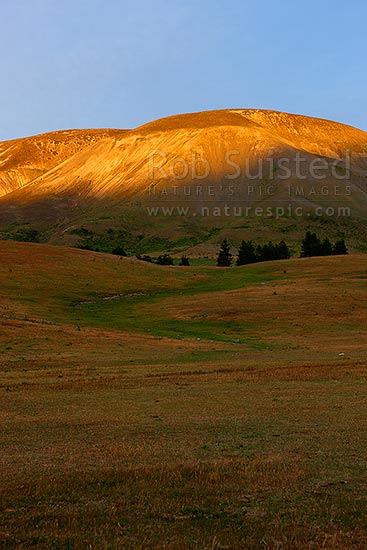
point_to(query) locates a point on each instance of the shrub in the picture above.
(184, 261)
(164, 259)
(144, 258)
(119, 251)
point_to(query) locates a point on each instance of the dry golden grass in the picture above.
(115, 435)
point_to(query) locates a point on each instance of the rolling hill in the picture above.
(181, 402)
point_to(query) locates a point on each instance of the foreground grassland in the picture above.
(181, 408)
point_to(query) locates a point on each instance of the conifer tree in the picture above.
(283, 251)
(246, 253)
(271, 251)
(326, 247)
(311, 245)
(340, 247)
(224, 258)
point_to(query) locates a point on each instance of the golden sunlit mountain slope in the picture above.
(127, 162)
(23, 160)
(202, 159)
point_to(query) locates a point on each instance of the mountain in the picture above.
(211, 170)
(24, 160)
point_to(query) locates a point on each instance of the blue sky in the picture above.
(83, 64)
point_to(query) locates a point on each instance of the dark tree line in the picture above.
(164, 259)
(248, 253)
(313, 246)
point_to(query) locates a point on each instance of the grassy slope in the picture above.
(201, 407)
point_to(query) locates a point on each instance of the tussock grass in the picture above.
(121, 429)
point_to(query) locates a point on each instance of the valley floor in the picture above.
(181, 408)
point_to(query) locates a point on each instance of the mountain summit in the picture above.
(235, 157)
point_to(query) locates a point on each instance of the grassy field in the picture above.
(180, 408)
